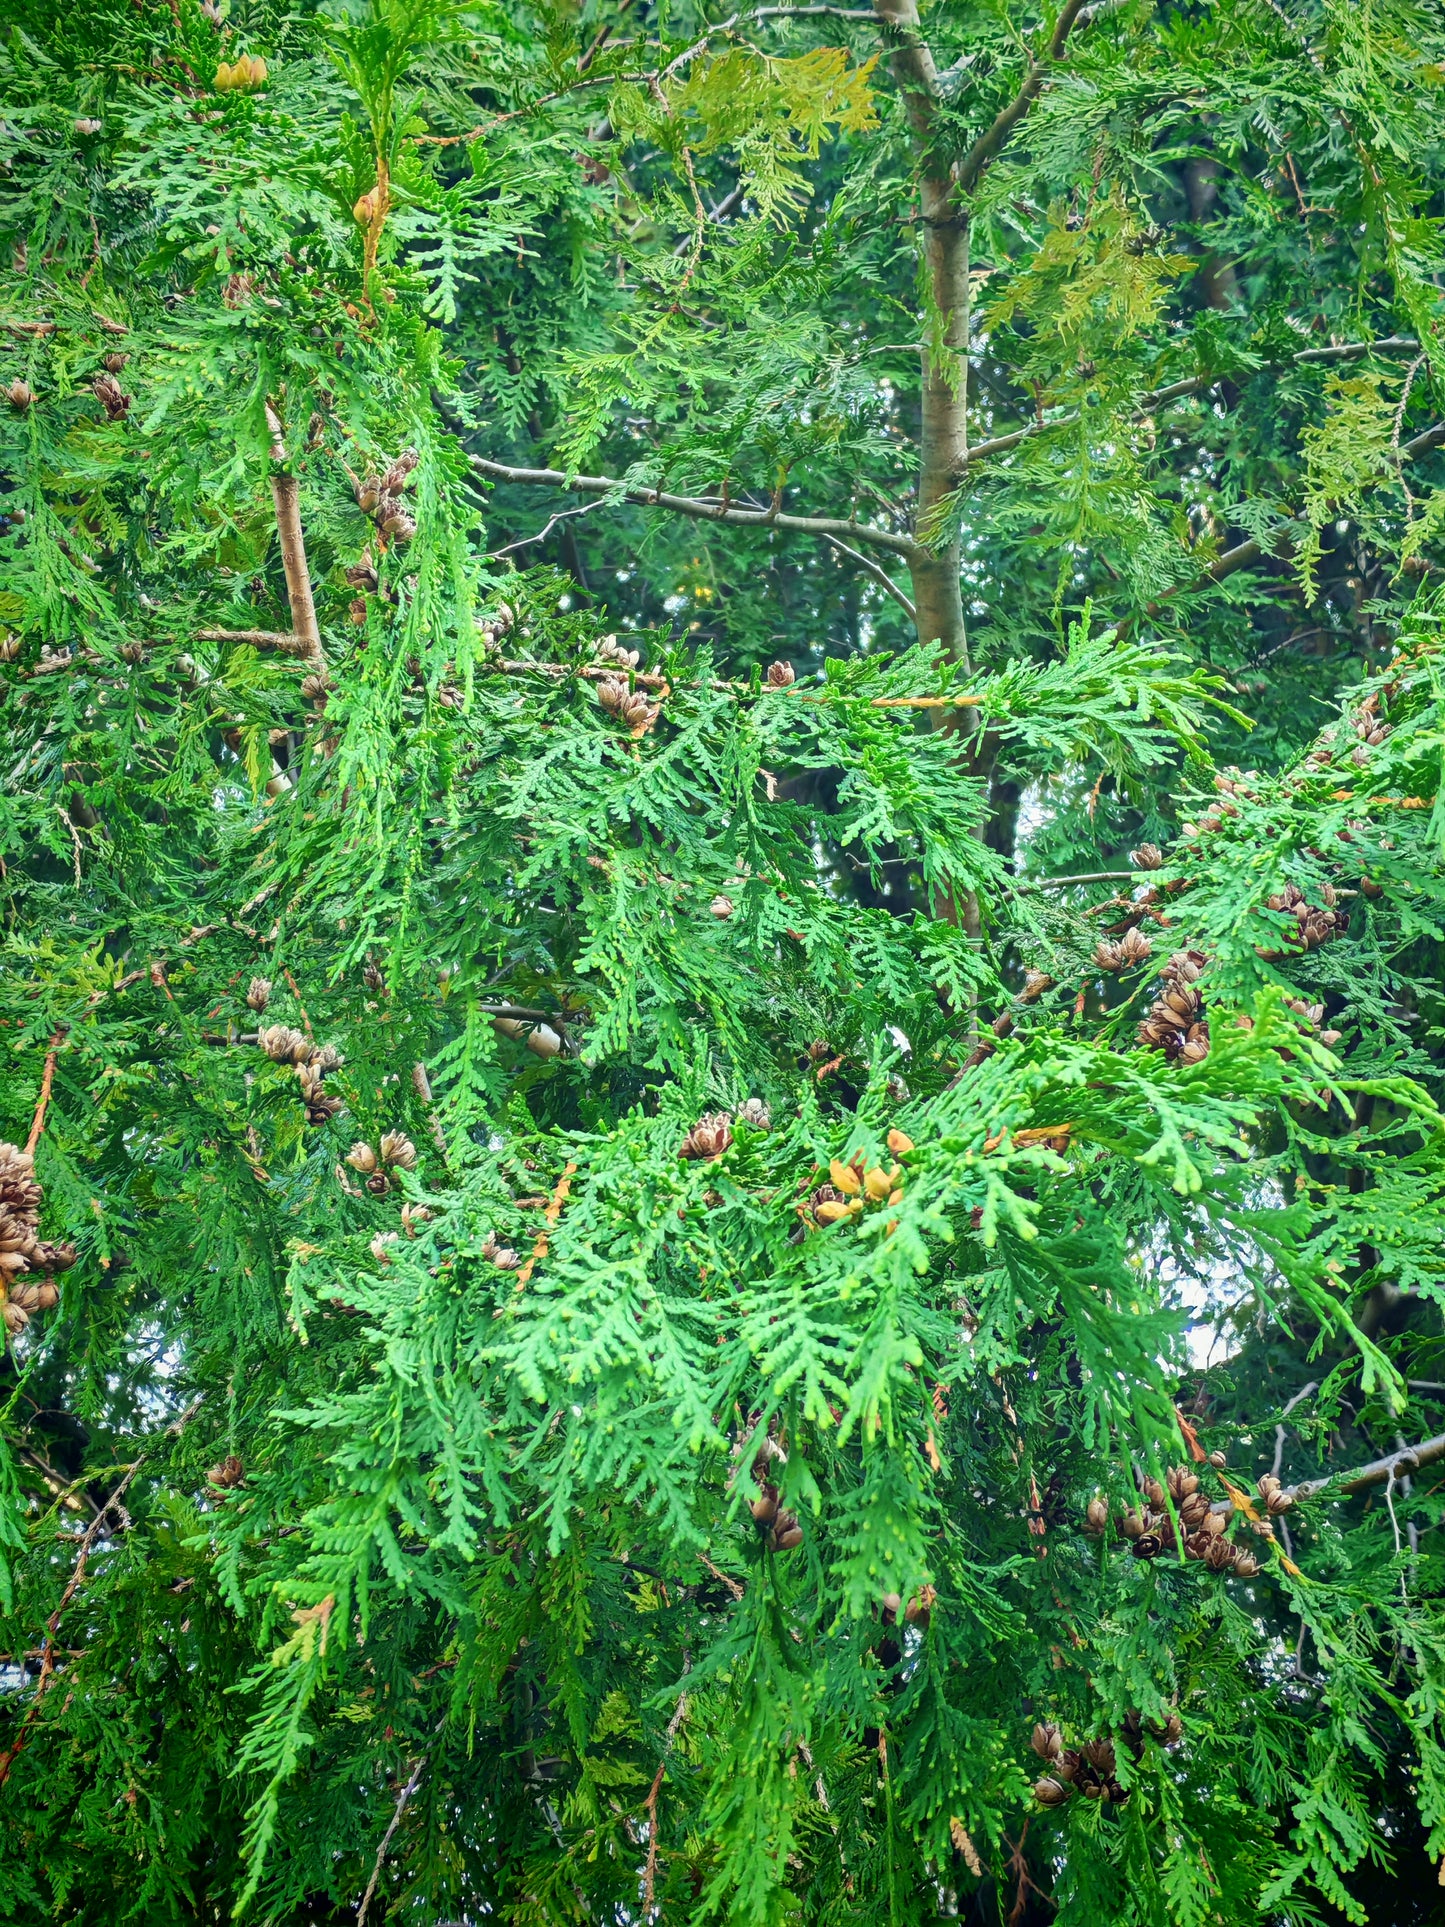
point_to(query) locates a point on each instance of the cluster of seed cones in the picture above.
(380, 497)
(1149, 1528)
(713, 1132)
(1132, 949)
(1175, 1022)
(633, 708)
(1316, 923)
(1090, 1769)
(856, 1185)
(27, 1263)
(396, 1152)
(283, 1045)
(1369, 731)
(780, 1525)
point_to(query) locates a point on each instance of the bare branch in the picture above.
(880, 576)
(286, 494)
(700, 508)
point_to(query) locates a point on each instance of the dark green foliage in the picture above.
(602, 1418)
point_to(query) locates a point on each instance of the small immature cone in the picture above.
(755, 1114)
(1046, 1740)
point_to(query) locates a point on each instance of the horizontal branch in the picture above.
(1394, 1465)
(1182, 390)
(699, 508)
(284, 644)
(1244, 553)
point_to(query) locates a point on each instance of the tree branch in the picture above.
(880, 576)
(286, 494)
(700, 509)
(287, 645)
(993, 139)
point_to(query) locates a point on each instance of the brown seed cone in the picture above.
(1219, 1553)
(1108, 956)
(258, 993)
(362, 1158)
(1096, 1517)
(1036, 982)
(781, 675)
(1133, 1525)
(1148, 1545)
(1182, 1482)
(34, 1295)
(282, 1044)
(54, 1257)
(708, 1138)
(765, 1507)
(1148, 856)
(1135, 947)
(228, 1474)
(108, 393)
(19, 1192)
(1099, 1754)
(397, 1148)
(378, 1184)
(755, 1114)
(1153, 1491)
(15, 1316)
(1050, 1792)
(1047, 1741)
(1245, 1563)
(1218, 1460)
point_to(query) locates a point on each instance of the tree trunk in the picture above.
(943, 441)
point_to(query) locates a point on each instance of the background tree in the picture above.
(701, 1217)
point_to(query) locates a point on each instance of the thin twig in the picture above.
(880, 576)
(406, 1793)
(650, 1876)
(75, 1582)
(286, 495)
(42, 1103)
